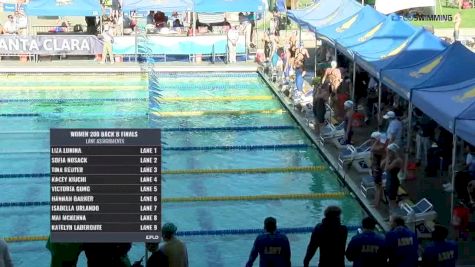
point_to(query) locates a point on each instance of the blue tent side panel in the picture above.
(451, 103)
(347, 9)
(212, 6)
(362, 21)
(63, 8)
(163, 5)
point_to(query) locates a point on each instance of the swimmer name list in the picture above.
(105, 185)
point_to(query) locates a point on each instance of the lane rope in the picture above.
(194, 171)
(160, 114)
(73, 87)
(335, 195)
(163, 99)
(193, 148)
(223, 232)
(198, 129)
(215, 112)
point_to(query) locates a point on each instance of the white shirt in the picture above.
(10, 27)
(21, 22)
(233, 36)
(5, 260)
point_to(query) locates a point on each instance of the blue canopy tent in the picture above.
(388, 32)
(63, 8)
(211, 6)
(363, 21)
(346, 9)
(163, 5)
(319, 11)
(435, 72)
(450, 105)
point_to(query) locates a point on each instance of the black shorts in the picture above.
(319, 110)
(377, 174)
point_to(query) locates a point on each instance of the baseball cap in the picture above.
(348, 104)
(393, 147)
(375, 135)
(389, 115)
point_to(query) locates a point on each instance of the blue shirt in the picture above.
(395, 131)
(367, 249)
(273, 250)
(402, 246)
(440, 254)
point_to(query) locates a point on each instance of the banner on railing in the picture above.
(178, 45)
(50, 45)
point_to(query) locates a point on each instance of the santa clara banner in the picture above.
(50, 45)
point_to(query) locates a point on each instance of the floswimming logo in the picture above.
(467, 95)
(64, 2)
(426, 69)
(345, 26)
(415, 17)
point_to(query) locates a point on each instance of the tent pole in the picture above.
(408, 140)
(300, 34)
(316, 60)
(354, 80)
(454, 153)
(379, 101)
(336, 54)
(194, 23)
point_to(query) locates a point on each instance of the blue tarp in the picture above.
(211, 6)
(448, 104)
(362, 21)
(454, 65)
(325, 17)
(163, 5)
(63, 8)
(416, 48)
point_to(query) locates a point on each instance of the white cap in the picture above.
(348, 104)
(389, 115)
(393, 147)
(333, 64)
(376, 135)
(383, 138)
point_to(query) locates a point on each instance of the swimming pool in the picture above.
(31, 104)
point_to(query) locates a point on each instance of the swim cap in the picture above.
(169, 228)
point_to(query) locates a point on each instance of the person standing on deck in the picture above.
(457, 22)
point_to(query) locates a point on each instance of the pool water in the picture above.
(121, 101)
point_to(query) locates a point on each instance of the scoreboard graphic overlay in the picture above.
(105, 185)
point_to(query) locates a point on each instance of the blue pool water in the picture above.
(24, 143)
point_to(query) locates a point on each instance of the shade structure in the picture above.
(63, 8)
(162, 5)
(450, 105)
(211, 6)
(454, 65)
(420, 46)
(345, 10)
(365, 19)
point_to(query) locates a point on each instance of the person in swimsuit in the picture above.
(391, 165)
(348, 121)
(320, 98)
(378, 150)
